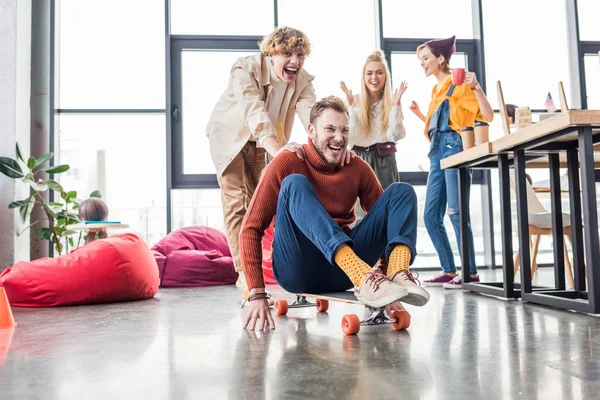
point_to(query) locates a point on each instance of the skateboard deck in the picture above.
(350, 322)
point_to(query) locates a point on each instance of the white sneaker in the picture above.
(377, 290)
(417, 296)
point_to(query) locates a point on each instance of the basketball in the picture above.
(93, 209)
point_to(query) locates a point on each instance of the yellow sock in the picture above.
(399, 259)
(352, 265)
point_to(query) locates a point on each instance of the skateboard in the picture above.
(350, 322)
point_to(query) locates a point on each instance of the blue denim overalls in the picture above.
(442, 188)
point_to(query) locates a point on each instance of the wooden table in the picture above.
(571, 132)
(95, 229)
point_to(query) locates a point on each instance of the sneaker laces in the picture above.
(375, 279)
(411, 276)
(438, 276)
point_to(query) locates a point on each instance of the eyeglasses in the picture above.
(330, 128)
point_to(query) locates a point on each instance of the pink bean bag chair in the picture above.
(118, 268)
(194, 256)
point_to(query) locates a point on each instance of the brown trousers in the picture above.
(238, 182)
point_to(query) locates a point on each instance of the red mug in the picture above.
(458, 76)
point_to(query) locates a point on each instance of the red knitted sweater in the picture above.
(337, 188)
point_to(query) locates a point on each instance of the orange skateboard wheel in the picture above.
(350, 324)
(322, 305)
(401, 319)
(281, 307)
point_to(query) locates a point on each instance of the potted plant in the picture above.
(60, 213)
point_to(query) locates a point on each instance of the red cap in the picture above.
(445, 47)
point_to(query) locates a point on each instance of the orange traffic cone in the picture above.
(6, 317)
(5, 339)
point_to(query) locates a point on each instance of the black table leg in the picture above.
(576, 222)
(523, 220)
(506, 227)
(557, 227)
(463, 204)
(590, 215)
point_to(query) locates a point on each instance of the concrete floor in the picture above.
(188, 344)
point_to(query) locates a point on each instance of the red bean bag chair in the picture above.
(118, 268)
(267, 251)
(194, 256)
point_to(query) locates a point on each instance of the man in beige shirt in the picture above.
(255, 115)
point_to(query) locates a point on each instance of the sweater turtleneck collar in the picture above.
(316, 159)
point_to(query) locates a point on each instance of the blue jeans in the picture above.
(442, 191)
(307, 238)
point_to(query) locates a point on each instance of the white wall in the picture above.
(15, 65)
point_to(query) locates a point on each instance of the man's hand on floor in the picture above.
(259, 315)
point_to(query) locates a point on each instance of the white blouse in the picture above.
(395, 131)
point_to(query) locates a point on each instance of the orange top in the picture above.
(464, 107)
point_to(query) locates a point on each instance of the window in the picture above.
(592, 80)
(427, 19)
(123, 156)
(197, 208)
(103, 61)
(224, 17)
(334, 58)
(524, 51)
(413, 149)
(204, 77)
(588, 11)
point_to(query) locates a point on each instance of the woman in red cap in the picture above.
(451, 109)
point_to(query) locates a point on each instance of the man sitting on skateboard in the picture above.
(314, 249)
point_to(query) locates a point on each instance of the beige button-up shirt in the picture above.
(243, 106)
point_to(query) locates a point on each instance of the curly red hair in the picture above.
(284, 39)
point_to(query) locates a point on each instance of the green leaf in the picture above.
(71, 241)
(55, 204)
(18, 203)
(71, 195)
(57, 169)
(72, 221)
(44, 233)
(25, 210)
(10, 168)
(60, 221)
(54, 185)
(96, 193)
(39, 186)
(49, 210)
(31, 163)
(19, 154)
(43, 159)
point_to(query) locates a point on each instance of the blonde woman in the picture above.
(254, 116)
(376, 120)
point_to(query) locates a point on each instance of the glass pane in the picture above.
(110, 57)
(434, 19)
(592, 80)
(413, 149)
(427, 255)
(509, 52)
(588, 11)
(332, 61)
(201, 207)
(123, 156)
(205, 75)
(193, 17)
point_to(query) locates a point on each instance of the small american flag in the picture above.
(550, 104)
